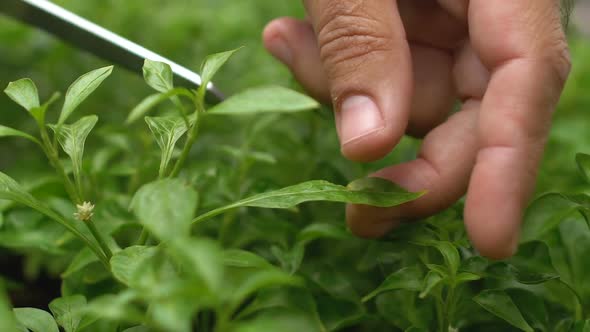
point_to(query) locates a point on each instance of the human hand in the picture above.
(397, 67)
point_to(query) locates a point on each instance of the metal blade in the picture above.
(97, 40)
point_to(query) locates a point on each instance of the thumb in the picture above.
(366, 59)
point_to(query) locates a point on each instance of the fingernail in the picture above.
(280, 49)
(359, 117)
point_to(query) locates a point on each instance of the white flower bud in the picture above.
(84, 212)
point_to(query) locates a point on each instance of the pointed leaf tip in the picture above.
(81, 89)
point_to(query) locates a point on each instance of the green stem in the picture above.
(440, 314)
(99, 253)
(449, 307)
(188, 145)
(53, 157)
(99, 238)
(143, 237)
(579, 314)
(230, 217)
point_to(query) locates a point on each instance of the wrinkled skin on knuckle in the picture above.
(551, 42)
(348, 38)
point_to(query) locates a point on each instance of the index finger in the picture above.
(522, 43)
(366, 58)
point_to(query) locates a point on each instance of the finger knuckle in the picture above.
(552, 44)
(348, 38)
(559, 59)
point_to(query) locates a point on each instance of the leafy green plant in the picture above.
(153, 230)
(173, 276)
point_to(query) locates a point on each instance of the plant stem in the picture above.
(439, 314)
(53, 157)
(143, 237)
(99, 238)
(449, 307)
(188, 145)
(579, 310)
(89, 243)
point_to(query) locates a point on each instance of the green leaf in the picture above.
(448, 251)
(125, 263)
(501, 305)
(338, 315)
(139, 328)
(7, 319)
(66, 311)
(117, 307)
(582, 326)
(82, 259)
(505, 271)
(72, 139)
(152, 101)
(165, 208)
(258, 280)
(464, 277)
(245, 259)
(36, 320)
(476, 265)
(334, 281)
(583, 161)
(273, 99)
(211, 66)
(173, 314)
(167, 131)
(407, 278)
(158, 75)
(23, 92)
(431, 280)
(81, 89)
(544, 215)
(202, 259)
(416, 329)
(380, 193)
(532, 308)
(291, 260)
(7, 132)
(322, 231)
(280, 320)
